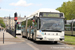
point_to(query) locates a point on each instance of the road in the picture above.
(47, 45)
(31, 45)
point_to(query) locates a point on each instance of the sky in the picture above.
(26, 7)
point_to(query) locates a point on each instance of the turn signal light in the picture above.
(45, 33)
(56, 33)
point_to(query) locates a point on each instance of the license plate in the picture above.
(50, 39)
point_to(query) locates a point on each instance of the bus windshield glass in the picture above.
(54, 24)
(18, 27)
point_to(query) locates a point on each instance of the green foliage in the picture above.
(74, 24)
(70, 40)
(29, 23)
(2, 22)
(68, 8)
(67, 25)
(23, 23)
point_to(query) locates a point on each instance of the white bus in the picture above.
(45, 25)
(18, 28)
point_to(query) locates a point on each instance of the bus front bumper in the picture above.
(49, 39)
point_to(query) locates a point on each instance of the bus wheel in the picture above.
(32, 37)
(27, 35)
(55, 42)
(22, 35)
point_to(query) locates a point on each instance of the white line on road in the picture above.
(28, 43)
(32, 46)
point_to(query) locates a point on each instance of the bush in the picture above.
(2, 22)
(67, 25)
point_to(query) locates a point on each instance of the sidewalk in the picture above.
(8, 39)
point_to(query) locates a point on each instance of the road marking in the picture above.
(68, 45)
(71, 46)
(32, 46)
(22, 39)
(29, 43)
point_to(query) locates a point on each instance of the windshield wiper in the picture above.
(51, 30)
(57, 30)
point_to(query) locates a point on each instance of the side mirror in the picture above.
(36, 21)
(65, 21)
(32, 19)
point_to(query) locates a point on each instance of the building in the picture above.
(10, 23)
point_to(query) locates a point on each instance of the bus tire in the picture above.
(28, 36)
(22, 35)
(34, 36)
(55, 42)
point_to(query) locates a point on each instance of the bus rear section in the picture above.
(18, 28)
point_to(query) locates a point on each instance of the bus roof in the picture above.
(47, 10)
(44, 10)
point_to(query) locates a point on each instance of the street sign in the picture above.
(15, 18)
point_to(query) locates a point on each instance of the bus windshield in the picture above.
(18, 27)
(54, 24)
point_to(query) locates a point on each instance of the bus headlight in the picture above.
(56, 33)
(38, 35)
(62, 36)
(45, 33)
(61, 39)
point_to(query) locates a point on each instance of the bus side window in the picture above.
(29, 23)
(34, 24)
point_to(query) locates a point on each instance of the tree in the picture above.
(2, 22)
(68, 8)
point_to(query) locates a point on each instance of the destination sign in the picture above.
(49, 14)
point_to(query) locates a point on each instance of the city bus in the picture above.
(23, 29)
(18, 28)
(45, 25)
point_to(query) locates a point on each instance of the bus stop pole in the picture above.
(15, 27)
(3, 37)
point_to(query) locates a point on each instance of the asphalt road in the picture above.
(44, 45)
(31, 45)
